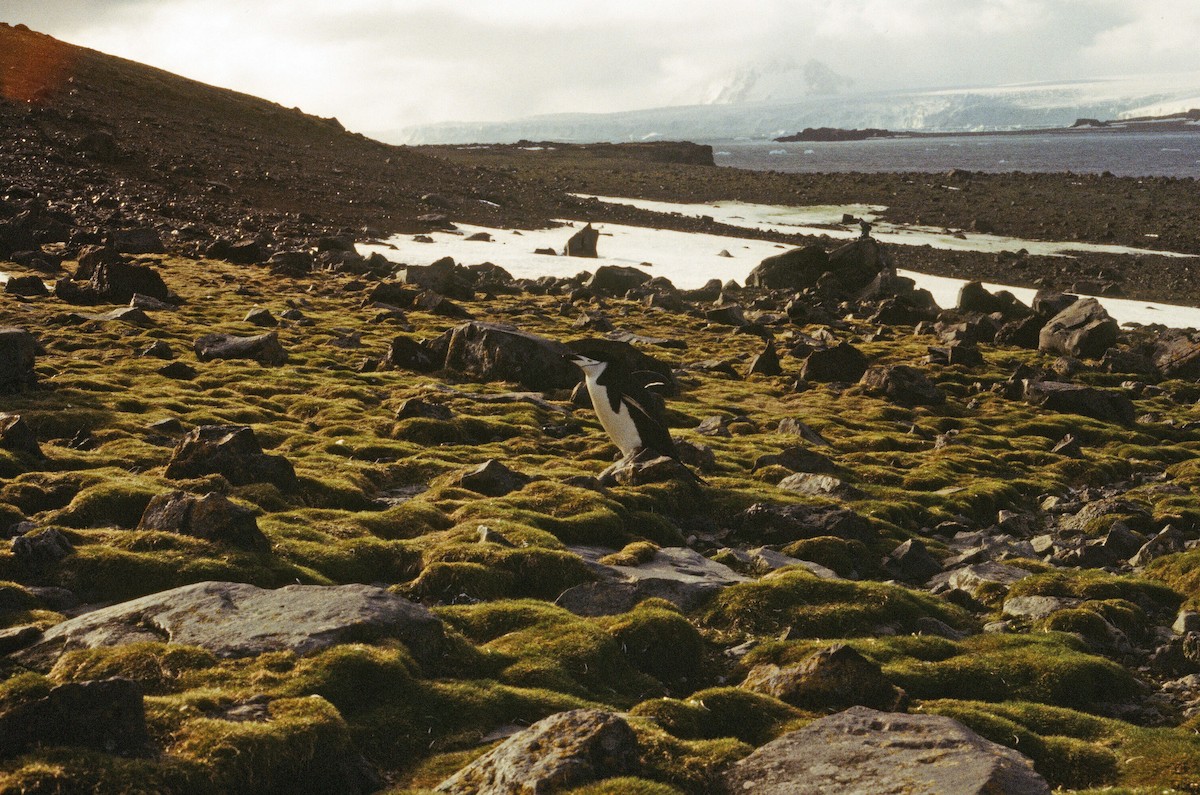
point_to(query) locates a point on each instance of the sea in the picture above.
(1126, 154)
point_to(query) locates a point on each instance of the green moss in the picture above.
(815, 607)
(1094, 584)
(450, 583)
(659, 642)
(691, 765)
(625, 785)
(118, 502)
(722, 712)
(159, 668)
(632, 554)
(847, 557)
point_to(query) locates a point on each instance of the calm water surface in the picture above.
(1170, 154)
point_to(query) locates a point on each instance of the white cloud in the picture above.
(379, 64)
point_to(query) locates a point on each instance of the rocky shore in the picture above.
(280, 517)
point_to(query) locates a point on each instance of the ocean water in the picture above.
(1131, 154)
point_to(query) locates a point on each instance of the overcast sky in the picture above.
(385, 64)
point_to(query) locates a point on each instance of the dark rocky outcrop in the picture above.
(582, 243)
(16, 436)
(27, 286)
(1083, 330)
(797, 269)
(616, 279)
(1102, 404)
(767, 523)
(232, 451)
(405, 353)
(493, 479)
(842, 362)
(902, 384)
(18, 352)
(862, 750)
(117, 282)
(212, 517)
(493, 352)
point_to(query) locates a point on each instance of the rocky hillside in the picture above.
(280, 518)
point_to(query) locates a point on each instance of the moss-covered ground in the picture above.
(380, 502)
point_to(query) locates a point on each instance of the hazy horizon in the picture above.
(388, 64)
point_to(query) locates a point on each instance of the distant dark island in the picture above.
(1187, 121)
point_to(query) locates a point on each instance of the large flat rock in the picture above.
(884, 753)
(239, 620)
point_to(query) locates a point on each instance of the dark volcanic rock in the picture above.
(766, 363)
(140, 240)
(842, 362)
(861, 750)
(833, 678)
(1178, 358)
(792, 270)
(1083, 330)
(902, 384)
(18, 350)
(493, 352)
(117, 282)
(857, 263)
(263, 348)
(493, 479)
(911, 562)
(582, 243)
(616, 279)
(105, 715)
(260, 317)
(557, 753)
(291, 263)
(27, 286)
(444, 277)
(405, 353)
(1102, 404)
(820, 485)
(212, 517)
(37, 550)
(231, 451)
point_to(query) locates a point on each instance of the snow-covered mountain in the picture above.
(728, 116)
(777, 80)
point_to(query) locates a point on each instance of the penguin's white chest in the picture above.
(618, 424)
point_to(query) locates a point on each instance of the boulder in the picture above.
(682, 576)
(582, 243)
(444, 277)
(138, 240)
(836, 677)
(555, 754)
(911, 562)
(232, 451)
(766, 362)
(212, 517)
(405, 353)
(1177, 357)
(239, 252)
(260, 316)
(493, 479)
(233, 619)
(262, 348)
(818, 485)
(39, 550)
(117, 282)
(16, 436)
(883, 753)
(1083, 330)
(797, 269)
(1049, 303)
(797, 459)
(291, 263)
(857, 263)
(105, 715)
(902, 384)
(615, 279)
(27, 286)
(791, 426)
(979, 579)
(1107, 405)
(494, 352)
(18, 350)
(843, 362)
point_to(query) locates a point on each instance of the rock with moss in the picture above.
(241, 620)
(769, 523)
(232, 451)
(212, 517)
(497, 352)
(841, 362)
(880, 752)
(681, 576)
(17, 436)
(493, 479)
(902, 384)
(562, 751)
(835, 677)
(1107, 405)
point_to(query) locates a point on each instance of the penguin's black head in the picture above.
(585, 363)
